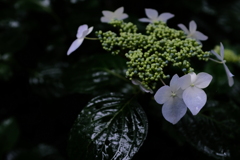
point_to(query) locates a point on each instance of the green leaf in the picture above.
(9, 133)
(109, 127)
(215, 138)
(98, 73)
(40, 152)
(46, 80)
(35, 5)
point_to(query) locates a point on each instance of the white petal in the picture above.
(151, 13)
(173, 110)
(184, 28)
(200, 36)
(74, 46)
(194, 99)
(84, 34)
(89, 30)
(174, 83)
(145, 20)
(222, 50)
(107, 14)
(145, 89)
(217, 55)
(118, 12)
(229, 75)
(105, 19)
(165, 16)
(192, 27)
(163, 95)
(179, 93)
(136, 82)
(193, 76)
(81, 29)
(122, 16)
(185, 81)
(203, 80)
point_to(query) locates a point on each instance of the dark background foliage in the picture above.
(38, 102)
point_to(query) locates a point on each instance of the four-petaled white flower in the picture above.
(193, 95)
(221, 58)
(171, 97)
(144, 89)
(152, 15)
(192, 32)
(82, 32)
(118, 14)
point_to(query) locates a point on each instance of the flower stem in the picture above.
(215, 60)
(162, 82)
(115, 74)
(91, 38)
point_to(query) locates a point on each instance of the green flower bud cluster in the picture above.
(149, 54)
(124, 27)
(161, 30)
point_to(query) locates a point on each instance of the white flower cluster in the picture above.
(185, 92)
(152, 15)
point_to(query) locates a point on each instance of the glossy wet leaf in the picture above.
(9, 133)
(109, 127)
(96, 74)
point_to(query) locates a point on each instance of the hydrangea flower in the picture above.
(82, 32)
(193, 95)
(144, 89)
(221, 58)
(174, 107)
(192, 32)
(152, 15)
(118, 14)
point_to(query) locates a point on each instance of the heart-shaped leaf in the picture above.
(111, 126)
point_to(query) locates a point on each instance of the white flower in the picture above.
(118, 14)
(221, 58)
(82, 32)
(152, 15)
(144, 89)
(192, 32)
(193, 96)
(171, 97)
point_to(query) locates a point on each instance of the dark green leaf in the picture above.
(47, 80)
(109, 127)
(35, 5)
(212, 137)
(41, 152)
(9, 133)
(98, 74)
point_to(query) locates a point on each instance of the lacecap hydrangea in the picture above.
(148, 56)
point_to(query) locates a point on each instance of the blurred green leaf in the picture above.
(41, 152)
(35, 5)
(109, 127)
(46, 80)
(215, 138)
(9, 133)
(97, 74)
